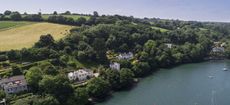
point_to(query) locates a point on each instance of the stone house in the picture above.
(14, 84)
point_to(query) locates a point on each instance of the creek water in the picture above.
(203, 83)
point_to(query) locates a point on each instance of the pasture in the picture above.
(161, 29)
(4, 25)
(75, 17)
(17, 36)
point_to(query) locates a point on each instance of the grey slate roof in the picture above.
(14, 81)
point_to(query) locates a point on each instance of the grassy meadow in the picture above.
(75, 17)
(161, 29)
(4, 25)
(17, 35)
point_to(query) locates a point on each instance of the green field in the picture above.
(75, 17)
(161, 29)
(17, 35)
(203, 29)
(4, 25)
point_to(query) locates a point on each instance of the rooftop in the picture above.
(80, 71)
(13, 81)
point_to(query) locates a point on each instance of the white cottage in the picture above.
(126, 56)
(223, 44)
(169, 45)
(80, 75)
(218, 49)
(115, 66)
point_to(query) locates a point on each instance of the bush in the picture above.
(3, 58)
(16, 16)
(16, 70)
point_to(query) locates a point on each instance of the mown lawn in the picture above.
(26, 35)
(4, 25)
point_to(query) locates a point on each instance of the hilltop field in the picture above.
(5, 25)
(75, 17)
(20, 34)
(46, 16)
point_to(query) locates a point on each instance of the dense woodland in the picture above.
(90, 42)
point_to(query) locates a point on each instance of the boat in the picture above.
(225, 69)
(211, 76)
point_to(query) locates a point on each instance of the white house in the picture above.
(218, 49)
(169, 45)
(80, 75)
(223, 44)
(96, 74)
(14, 84)
(115, 66)
(127, 56)
(3, 101)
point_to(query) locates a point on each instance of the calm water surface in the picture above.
(191, 84)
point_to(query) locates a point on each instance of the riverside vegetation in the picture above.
(90, 44)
